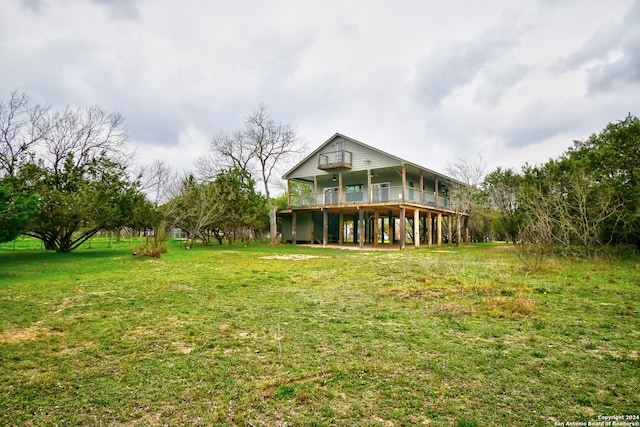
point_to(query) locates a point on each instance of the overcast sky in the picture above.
(429, 81)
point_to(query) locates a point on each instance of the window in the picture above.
(331, 195)
(354, 193)
(380, 192)
(340, 152)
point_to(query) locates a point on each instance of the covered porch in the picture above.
(373, 225)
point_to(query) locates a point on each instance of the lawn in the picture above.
(292, 335)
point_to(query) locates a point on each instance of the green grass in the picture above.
(233, 336)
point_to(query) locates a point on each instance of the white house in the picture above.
(347, 192)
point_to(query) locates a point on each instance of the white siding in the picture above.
(360, 155)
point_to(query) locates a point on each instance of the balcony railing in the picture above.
(377, 195)
(335, 160)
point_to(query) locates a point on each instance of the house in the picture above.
(347, 192)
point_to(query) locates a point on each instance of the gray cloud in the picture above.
(121, 9)
(423, 80)
(34, 5)
(455, 64)
(612, 54)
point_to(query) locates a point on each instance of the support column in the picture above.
(449, 228)
(340, 188)
(392, 229)
(436, 192)
(369, 190)
(315, 191)
(341, 232)
(403, 227)
(325, 228)
(459, 230)
(429, 229)
(376, 228)
(421, 188)
(404, 184)
(439, 229)
(361, 227)
(416, 228)
(288, 192)
(313, 230)
(294, 220)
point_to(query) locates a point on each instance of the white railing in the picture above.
(391, 194)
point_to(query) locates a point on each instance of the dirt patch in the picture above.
(78, 300)
(32, 333)
(292, 257)
(502, 248)
(183, 348)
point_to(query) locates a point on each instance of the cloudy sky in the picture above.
(429, 81)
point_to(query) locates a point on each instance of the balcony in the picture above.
(334, 161)
(374, 196)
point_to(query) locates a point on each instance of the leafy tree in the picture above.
(73, 163)
(21, 129)
(77, 202)
(501, 188)
(612, 160)
(244, 210)
(16, 209)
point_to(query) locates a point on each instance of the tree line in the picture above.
(588, 198)
(66, 175)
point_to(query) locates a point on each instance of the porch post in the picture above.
(429, 229)
(340, 188)
(392, 229)
(449, 228)
(369, 186)
(416, 228)
(375, 228)
(436, 191)
(361, 227)
(459, 230)
(289, 193)
(315, 191)
(325, 227)
(294, 220)
(439, 229)
(341, 232)
(421, 188)
(313, 230)
(403, 227)
(404, 185)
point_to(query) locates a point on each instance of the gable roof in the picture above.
(397, 159)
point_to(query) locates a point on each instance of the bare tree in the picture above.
(260, 148)
(463, 190)
(195, 209)
(82, 136)
(21, 127)
(158, 181)
(567, 207)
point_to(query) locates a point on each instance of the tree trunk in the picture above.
(273, 224)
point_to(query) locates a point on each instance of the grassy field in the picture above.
(265, 336)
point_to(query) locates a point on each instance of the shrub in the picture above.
(153, 251)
